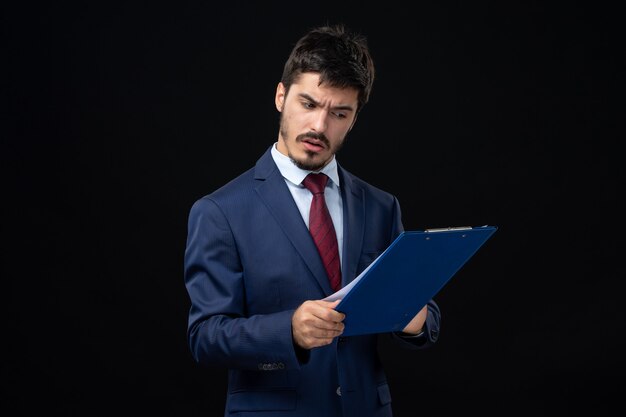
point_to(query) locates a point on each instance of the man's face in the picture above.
(314, 120)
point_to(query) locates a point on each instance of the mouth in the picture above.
(313, 144)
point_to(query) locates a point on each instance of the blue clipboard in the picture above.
(413, 269)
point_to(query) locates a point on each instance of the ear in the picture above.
(353, 122)
(280, 97)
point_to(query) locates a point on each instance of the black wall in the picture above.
(118, 117)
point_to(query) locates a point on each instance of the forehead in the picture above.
(308, 83)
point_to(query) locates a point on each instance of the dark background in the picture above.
(118, 117)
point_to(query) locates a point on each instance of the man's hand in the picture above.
(416, 325)
(316, 323)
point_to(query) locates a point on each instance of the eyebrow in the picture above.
(345, 107)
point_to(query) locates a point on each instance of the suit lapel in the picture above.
(353, 224)
(271, 188)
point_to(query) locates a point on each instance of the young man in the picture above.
(253, 270)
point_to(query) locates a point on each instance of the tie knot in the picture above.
(315, 183)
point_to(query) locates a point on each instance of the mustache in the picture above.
(312, 135)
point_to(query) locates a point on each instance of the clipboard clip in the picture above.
(447, 229)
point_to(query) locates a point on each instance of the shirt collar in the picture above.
(293, 174)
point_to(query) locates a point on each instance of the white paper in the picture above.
(345, 290)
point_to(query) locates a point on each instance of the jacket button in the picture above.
(338, 391)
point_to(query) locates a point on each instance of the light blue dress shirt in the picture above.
(294, 176)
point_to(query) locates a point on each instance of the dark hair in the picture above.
(341, 58)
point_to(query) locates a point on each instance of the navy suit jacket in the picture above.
(250, 262)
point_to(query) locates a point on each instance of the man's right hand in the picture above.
(316, 323)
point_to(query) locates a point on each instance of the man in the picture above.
(254, 274)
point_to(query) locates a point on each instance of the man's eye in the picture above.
(339, 115)
(308, 105)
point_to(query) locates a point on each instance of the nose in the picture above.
(319, 122)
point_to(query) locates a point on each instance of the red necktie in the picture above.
(322, 229)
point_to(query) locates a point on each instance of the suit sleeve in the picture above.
(219, 332)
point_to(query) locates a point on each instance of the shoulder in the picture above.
(357, 185)
(231, 192)
(245, 183)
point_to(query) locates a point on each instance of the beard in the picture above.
(309, 163)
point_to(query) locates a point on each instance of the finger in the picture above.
(330, 329)
(333, 304)
(328, 314)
